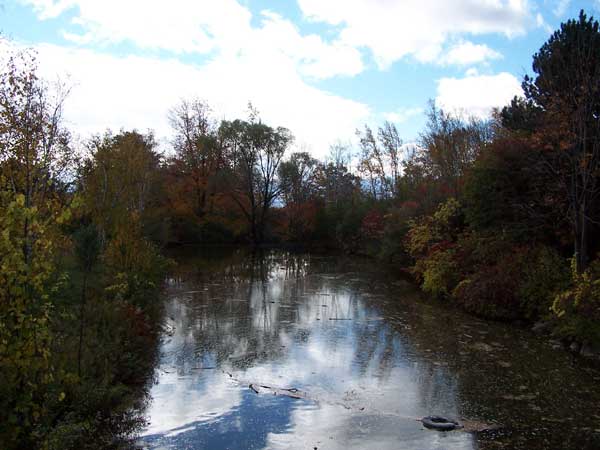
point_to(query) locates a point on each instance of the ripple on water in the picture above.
(361, 380)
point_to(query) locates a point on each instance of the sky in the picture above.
(322, 68)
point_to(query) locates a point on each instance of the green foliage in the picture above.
(444, 225)
(133, 266)
(521, 115)
(507, 191)
(121, 178)
(397, 225)
(430, 242)
(544, 274)
(566, 67)
(348, 229)
(440, 273)
(448, 218)
(566, 88)
(96, 414)
(489, 274)
(257, 151)
(87, 246)
(478, 208)
(577, 308)
(489, 190)
(27, 277)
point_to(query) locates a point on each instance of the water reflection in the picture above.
(369, 355)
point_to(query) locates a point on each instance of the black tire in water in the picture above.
(439, 423)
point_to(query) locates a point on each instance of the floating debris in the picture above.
(440, 423)
(482, 346)
(472, 426)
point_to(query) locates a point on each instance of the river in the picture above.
(298, 351)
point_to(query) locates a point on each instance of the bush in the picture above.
(444, 225)
(440, 272)
(396, 227)
(213, 232)
(578, 307)
(502, 280)
(545, 274)
(134, 267)
(348, 230)
(491, 290)
(28, 276)
(429, 242)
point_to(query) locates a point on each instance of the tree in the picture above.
(566, 88)
(521, 115)
(393, 148)
(198, 157)
(87, 249)
(380, 159)
(297, 178)
(120, 179)
(336, 185)
(340, 154)
(34, 147)
(256, 151)
(34, 155)
(449, 146)
(298, 188)
(508, 193)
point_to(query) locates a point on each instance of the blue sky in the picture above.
(319, 67)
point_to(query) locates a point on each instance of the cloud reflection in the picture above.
(286, 321)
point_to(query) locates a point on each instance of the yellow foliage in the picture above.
(26, 273)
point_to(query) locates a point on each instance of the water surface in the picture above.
(366, 354)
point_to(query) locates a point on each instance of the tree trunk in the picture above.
(254, 229)
(81, 323)
(581, 240)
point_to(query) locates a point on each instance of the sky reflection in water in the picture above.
(315, 324)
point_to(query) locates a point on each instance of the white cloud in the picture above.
(266, 61)
(465, 53)
(47, 9)
(313, 56)
(237, 61)
(201, 27)
(393, 29)
(177, 25)
(402, 115)
(136, 92)
(561, 7)
(477, 94)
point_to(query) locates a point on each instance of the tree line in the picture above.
(499, 216)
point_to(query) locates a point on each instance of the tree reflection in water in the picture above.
(370, 353)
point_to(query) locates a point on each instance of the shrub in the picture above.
(545, 274)
(429, 241)
(578, 307)
(396, 227)
(444, 225)
(348, 231)
(134, 268)
(440, 272)
(491, 290)
(28, 278)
